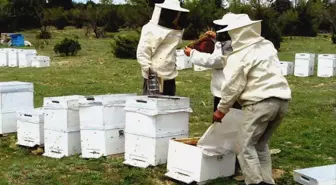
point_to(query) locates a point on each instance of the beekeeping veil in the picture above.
(170, 15)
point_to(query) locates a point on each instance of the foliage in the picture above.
(333, 38)
(58, 18)
(67, 47)
(125, 46)
(288, 22)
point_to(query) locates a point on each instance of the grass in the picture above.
(306, 137)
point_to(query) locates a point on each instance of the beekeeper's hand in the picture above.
(212, 34)
(218, 116)
(187, 51)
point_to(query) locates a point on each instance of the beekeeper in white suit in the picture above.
(214, 60)
(158, 42)
(253, 78)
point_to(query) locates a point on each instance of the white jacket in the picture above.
(250, 71)
(214, 61)
(156, 50)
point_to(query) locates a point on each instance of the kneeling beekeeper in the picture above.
(253, 78)
(156, 49)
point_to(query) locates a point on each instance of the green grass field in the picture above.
(307, 136)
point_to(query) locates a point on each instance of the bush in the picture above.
(67, 47)
(43, 34)
(288, 22)
(125, 46)
(333, 38)
(58, 18)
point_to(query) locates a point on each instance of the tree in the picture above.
(65, 4)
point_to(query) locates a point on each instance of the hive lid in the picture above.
(327, 56)
(16, 86)
(62, 102)
(158, 103)
(106, 100)
(322, 173)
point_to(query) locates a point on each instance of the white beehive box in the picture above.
(14, 95)
(61, 144)
(103, 111)
(287, 68)
(304, 64)
(25, 56)
(30, 131)
(62, 113)
(12, 58)
(156, 116)
(326, 66)
(3, 58)
(188, 164)
(209, 157)
(40, 61)
(98, 143)
(324, 175)
(182, 60)
(200, 68)
(142, 151)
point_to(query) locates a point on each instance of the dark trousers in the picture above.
(169, 87)
(236, 105)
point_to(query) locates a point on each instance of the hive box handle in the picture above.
(141, 101)
(28, 115)
(55, 101)
(90, 98)
(305, 178)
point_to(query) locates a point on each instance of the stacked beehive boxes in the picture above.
(151, 121)
(61, 126)
(102, 124)
(13, 97)
(22, 58)
(304, 64)
(30, 127)
(326, 65)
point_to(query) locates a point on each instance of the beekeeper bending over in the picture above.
(214, 60)
(156, 49)
(253, 78)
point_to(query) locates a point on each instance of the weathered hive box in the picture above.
(151, 121)
(182, 60)
(12, 58)
(103, 112)
(287, 68)
(40, 61)
(14, 96)
(326, 66)
(59, 144)
(209, 157)
(3, 58)
(30, 130)
(62, 113)
(98, 143)
(187, 163)
(304, 64)
(324, 175)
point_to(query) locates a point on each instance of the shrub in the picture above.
(125, 46)
(43, 34)
(288, 22)
(67, 47)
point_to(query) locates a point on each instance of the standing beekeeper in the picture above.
(214, 60)
(156, 49)
(253, 78)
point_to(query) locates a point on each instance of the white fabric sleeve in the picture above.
(213, 60)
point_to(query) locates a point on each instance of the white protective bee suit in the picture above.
(214, 60)
(252, 77)
(159, 40)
